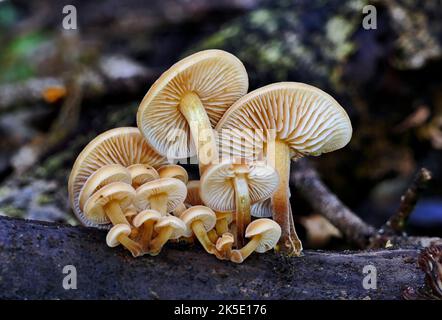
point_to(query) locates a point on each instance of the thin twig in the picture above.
(397, 223)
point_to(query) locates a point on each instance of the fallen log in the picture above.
(33, 255)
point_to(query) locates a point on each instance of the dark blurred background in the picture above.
(59, 88)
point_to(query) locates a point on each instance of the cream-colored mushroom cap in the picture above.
(216, 76)
(225, 240)
(173, 171)
(269, 231)
(101, 177)
(174, 189)
(142, 173)
(218, 190)
(118, 191)
(179, 227)
(262, 209)
(193, 193)
(309, 120)
(146, 215)
(201, 213)
(131, 211)
(115, 232)
(125, 146)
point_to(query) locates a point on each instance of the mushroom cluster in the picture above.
(124, 181)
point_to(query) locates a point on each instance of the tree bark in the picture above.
(33, 255)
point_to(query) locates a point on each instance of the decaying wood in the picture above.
(308, 183)
(33, 255)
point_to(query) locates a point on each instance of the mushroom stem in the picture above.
(242, 203)
(222, 226)
(116, 216)
(130, 245)
(200, 128)
(114, 213)
(159, 203)
(160, 240)
(213, 235)
(238, 256)
(146, 234)
(200, 232)
(289, 241)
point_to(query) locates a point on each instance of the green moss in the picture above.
(12, 211)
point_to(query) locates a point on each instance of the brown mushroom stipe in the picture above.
(141, 174)
(265, 234)
(169, 227)
(200, 220)
(187, 100)
(295, 120)
(223, 219)
(124, 146)
(230, 186)
(163, 195)
(145, 220)
(193, 193)
(119, 234)
(103, 176)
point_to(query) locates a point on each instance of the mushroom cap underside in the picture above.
(217, 77)
(307, 119)
(125, 146)
(218, 184)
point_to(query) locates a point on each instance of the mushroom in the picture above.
(124, 146)
(231, 186)
(224, 245)
(200, 220)
(142, 173)
(168, 227)
(187, 100)
(109, 203)
(145, 220)
(223, 219)
(103, 176)
(119, 234)
(163, 195)
(177, 172)
(264, 234)
(284, 121)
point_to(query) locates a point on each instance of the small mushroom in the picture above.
(168, 227)
(119, 234)
(177, 172)
(108, 204)
(224, 245)
(103, 176)
(200, 220)
(264, 234)
(142, 173)
(230, 186)
(223, 219)
(163, 195)
(124, 146)
(145, 221)
(294, 120)
(187, 100)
